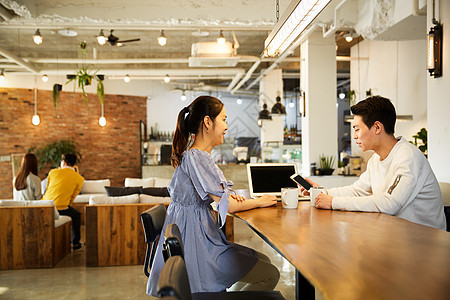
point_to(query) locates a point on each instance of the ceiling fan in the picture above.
(115, 41)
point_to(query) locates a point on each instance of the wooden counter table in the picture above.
(356, 255)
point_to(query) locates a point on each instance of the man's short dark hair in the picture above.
(70, 159)
(376, 108)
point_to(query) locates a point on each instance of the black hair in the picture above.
(190, 120)
(70, 159)
(376, 108)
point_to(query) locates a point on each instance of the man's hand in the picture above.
(267, 200)
(323, 201)
(305, 192)
(238, 198)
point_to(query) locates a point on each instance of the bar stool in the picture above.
(152, 220)
(174, 282)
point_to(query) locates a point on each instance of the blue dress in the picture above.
(212, 262)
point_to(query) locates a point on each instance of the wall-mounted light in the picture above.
(2, 75)
(221, 39)
(166, 78)
(102, 119)
(37, 37)
(239, 101)
(183, 96)
(44, 78)
(162, 40)
(127, 78)
(35, 120)
(434, 55)
(101, 38)
(299, 15)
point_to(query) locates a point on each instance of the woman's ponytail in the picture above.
(180, 137)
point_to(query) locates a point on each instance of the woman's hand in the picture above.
(267, 200)
(238, 198)
(305, 192)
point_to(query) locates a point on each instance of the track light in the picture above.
(101, 38)
(44, 78)
(37, 37)
(2, 75)
(166, 79)
(162, 40)
(183, 96)
(221, 39)
(127, 78)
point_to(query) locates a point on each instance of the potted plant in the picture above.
(49, 155)
(326, 164)
(57, 88)
(84, 77)
(423, 145)
(351, 96)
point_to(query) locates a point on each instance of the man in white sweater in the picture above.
(398, 180)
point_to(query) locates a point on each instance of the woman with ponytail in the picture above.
(213, 263)
(27, 185)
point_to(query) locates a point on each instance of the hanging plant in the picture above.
(57, 88)
(351, 96)
(82, 78)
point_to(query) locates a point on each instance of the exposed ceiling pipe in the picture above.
(294, 45)
(246, 77)
(11, 56)
(234, 81)
(5, 14)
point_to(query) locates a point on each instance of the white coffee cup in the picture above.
(289, 197)
(314, 192)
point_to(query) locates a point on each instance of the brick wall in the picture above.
(108, 152)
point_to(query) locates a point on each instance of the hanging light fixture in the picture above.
(37, 37)
(2, 75)
(167, 78)
(291, 104)
(300, 15)
(162, 40)
(127, 78)
(183, 96)
(221, 39)
(102, 119)
(348, 37)
(44, 78)
(239, 101)
(101, 38)
(35, 120)
(341, 95)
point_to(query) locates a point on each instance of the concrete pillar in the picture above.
(270, 87)
(318, 81)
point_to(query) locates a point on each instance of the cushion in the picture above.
(104, 199)
(62, 220)
(30, 203)
(162, 182)
(95, 186)
(153, 199)
(155, 191)
(114, 191)
(83, 198)
(146, 182)
(12, 203)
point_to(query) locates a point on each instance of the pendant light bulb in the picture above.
(2, 75)
(35, 120)
(127, 78)
(221, 39)
(37, 37)
(183, 96)
(341, 95)
(44, 78)
(162, 40)
(101, 38)
(239, 101)
(167, 79)
(102, 121)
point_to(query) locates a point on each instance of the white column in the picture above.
(269, 88)
(318, 81)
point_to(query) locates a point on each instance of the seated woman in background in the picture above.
(212, 262)
(27, 185)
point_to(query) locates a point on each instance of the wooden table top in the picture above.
(356, 255)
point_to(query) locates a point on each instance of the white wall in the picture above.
(438, 100)
(395, 70)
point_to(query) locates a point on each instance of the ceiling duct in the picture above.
(212, 54)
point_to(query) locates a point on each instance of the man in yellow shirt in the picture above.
(63, 185)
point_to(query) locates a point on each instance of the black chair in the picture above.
(152, 221)
(174, 282)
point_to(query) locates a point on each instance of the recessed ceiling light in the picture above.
(67, 32)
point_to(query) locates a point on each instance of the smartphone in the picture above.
(301, 181)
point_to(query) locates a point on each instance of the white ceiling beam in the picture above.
(14, 58)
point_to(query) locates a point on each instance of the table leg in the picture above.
(303, 289)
